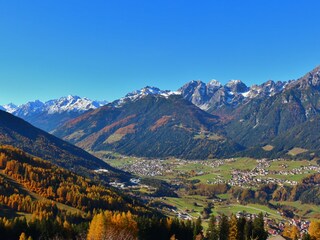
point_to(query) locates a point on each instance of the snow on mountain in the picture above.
(137, 94)
(214, 95)
(63, 104)
(29, 108)
(70, 104)
(236, 86)
(266, 89)
(10, 108)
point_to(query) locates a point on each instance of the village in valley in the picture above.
(229, 171)
(235, 172)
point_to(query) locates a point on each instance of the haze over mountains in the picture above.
(49, 115)
(198, 121)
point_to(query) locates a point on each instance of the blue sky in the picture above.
(104, 49)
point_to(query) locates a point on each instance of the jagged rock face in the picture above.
(266, 89)
(215, 98)
(236, 86)
(213, 95)
(276, 110)
(195, 92)
(311, 79)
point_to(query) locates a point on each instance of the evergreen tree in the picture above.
(258, 228)
(197, 228)
(306, 236)
(248, 230)
(223, 228)
(241, 228)
(212, 231)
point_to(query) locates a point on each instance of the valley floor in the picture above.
(244, 173)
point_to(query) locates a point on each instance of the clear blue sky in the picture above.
(104, 49)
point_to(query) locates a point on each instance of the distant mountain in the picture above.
(138, 94)
(285, 120)
(216, 98)
(156, 123)
(10, 108)
(150, 123)
(18, 133)
(53, 113)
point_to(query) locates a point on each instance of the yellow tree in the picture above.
(23, 236)
(287, 231)
(173, 237)
(97, 228)
(314, 229)
(295, 234)
(233, 228)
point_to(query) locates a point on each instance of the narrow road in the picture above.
(36, 196)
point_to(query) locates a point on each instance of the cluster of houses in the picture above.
(151, 168)
(259, 174)
(277, 227)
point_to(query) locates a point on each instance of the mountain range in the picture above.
(150, 126)
(198, 120)
(51, 114)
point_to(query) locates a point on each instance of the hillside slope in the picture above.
(150, 126)
(16, 132)
(286, 113)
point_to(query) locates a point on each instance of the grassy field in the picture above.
(290, 164)
(267, 147)
(195, 204)
(186, 170)
(206, 177)
(295, 151)
(119, 162)
(297, 177)
(114, 138)
(250, 208)
(307, 211)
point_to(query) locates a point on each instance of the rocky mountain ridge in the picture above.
(51, 114)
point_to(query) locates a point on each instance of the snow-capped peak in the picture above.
(236, 86)
(137, 94)
(214, 83)
(149, 91)
(10, 108)
(70, 103)
(145, 91)
(234, 82)
(29, 108)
